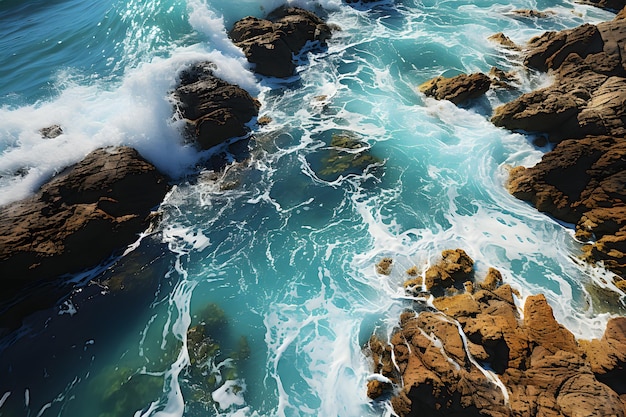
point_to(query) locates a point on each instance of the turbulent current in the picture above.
(276, 256)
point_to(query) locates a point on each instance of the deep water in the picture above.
(274, 258)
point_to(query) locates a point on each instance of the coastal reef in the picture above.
(271, 43)
(475, 352)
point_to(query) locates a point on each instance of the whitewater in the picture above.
(281, 253)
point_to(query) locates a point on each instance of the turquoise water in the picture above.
(279, 251)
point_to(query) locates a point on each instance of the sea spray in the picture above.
(286, 252)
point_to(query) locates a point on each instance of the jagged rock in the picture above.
(271, 43)
(532, 14)
(458, 89)
(582, 182)
(589, 89)
(607, 356)
(455, 267)
(549, 50)
(51, 132)
(502, 79)
(76, 221)
(538, 364)
(216, 109)
(611, 5)
(384, 266)
(505, 41)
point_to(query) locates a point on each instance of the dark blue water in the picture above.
(276, 258)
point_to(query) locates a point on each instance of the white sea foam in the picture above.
(289, 256)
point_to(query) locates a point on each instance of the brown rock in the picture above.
(384, 266)
(504, 40)
(550, 110)
(532, 14)
(461, 305)
(607, 356)
(543, 329)
(537, 360)
(492, 280)
(376, 389)
(77, 220)
(269, 43)
(549, 50)
(459, 89)
(216, 109)
(588, 95)
(454, 268)
(582, 182)
(611, 5)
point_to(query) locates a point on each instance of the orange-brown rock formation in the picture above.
(477, 355)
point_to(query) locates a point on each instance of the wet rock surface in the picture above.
(75, 221)
(581, 180)
(271, 43)
(215, 109)
(589, 89)
(459, 89)
(474, 354)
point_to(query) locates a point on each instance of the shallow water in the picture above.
(285, 245)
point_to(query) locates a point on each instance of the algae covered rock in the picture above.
(214, 359)
(125, 391)
(346, 155)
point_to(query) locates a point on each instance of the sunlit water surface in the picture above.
(276, 260)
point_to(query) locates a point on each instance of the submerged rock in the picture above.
(214, 363)
(439, 362)
(271, 43)
(77, 220)
(346, 155)
(532, 14)
(215, 109)
(124, 391)
(458, 89)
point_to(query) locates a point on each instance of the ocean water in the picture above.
(276, 256)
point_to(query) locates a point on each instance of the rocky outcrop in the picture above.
(458, 89)
(611, 5)
(589, 91)
(215, 109)
(271, 43)
(76, 221)
(473, 354)
(582, 182)
(532, 14)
